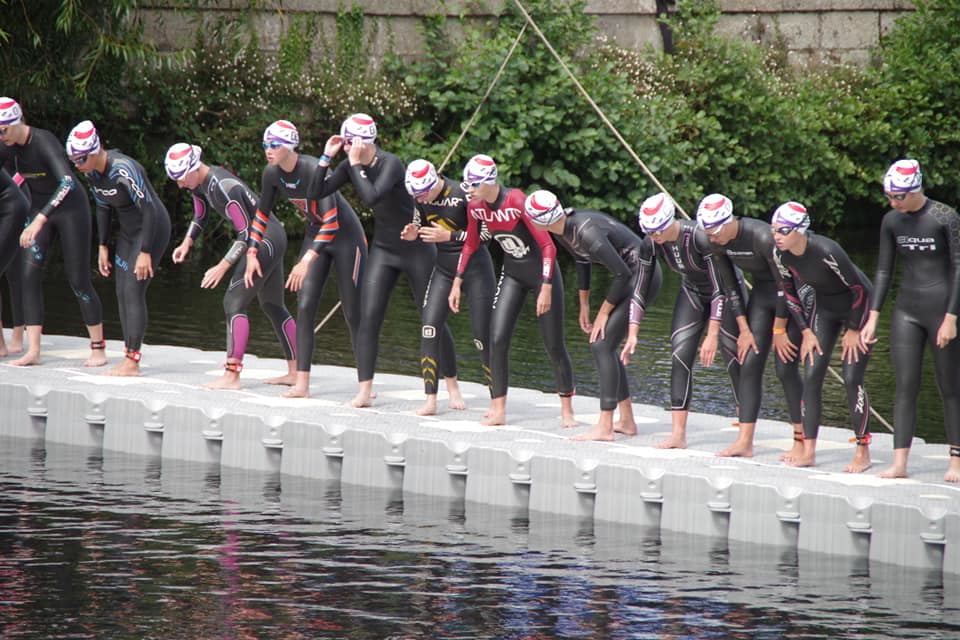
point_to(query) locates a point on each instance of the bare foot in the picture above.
(953, 471)
(456, 400)
(672, 442)
(738, 450)
(229, 380)
(494, 419)
(429, 407)
(595, 433)
(802, 460)
(361, 400)
(861, 460)
(288, 380)
(568, 421)
(296, 391)
(627, 428)
(893, 471)
(794, 452)
(126, 368)
(97, 358)
(28, 359)
(3, 351)
(16, 341)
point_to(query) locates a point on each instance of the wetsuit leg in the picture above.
(908, 339)
(606, 357)
(31, 274)
(308, 301)
(790, 378)
(728, 350)
(551, 330)
(436, 309)
(854, 377)
(946, 363)
(503, 321)
(270, 292)
(11, 224)
(761, 309)
(74, 229)
(689, 319)
(132, 293)
(418, 267)
(378, 283)
(827, 329)
(479, 286)
(350, 263)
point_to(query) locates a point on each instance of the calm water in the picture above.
(183, 314)
(94, 545)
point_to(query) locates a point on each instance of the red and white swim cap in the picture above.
(656, 213)
(282, 132)
(359, 125)
(480, 168)
(10, 112)
(421, 176)
(181, 159)
(714, 210)
(791, 214)
(903, 176)
(83, 140)
(542, 207)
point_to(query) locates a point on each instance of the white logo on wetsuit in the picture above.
(913, 243)
(137, 191)
(500, 215)
(513, 245)
(677, 257)
(831, 262)
(105, 192)
(291, 185)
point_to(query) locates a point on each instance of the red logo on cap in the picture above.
(420, 173)
(716, 204)
(649, 211)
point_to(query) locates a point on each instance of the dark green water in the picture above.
(181, 313)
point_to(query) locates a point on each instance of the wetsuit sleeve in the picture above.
(886, 262)
(57, 165)
(583, 266)
(640, 297)
(268, 195)
(859, 290)
(237, 209)
(788, 290)
(548, 250)
(372, 191)
(604, 253)
(129, 175)
(728, 280)
(104, 212)
(471, 243)
(952, 231)
(329, 222)
(199, 221)
(774, 265)
(326, 180)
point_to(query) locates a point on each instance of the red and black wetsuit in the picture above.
(927, 243)
(380, 187)
(529, 260)
(699, 300)
(841, 298)
(333, 232)
(229, 196)
(594, 237)
(123, 188)
(449, 210)
(55, 193)
(752, 252)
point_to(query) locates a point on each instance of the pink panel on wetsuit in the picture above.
(236, 215)
(290, 330)
(239, 332)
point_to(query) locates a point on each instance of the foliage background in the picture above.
(718, 115)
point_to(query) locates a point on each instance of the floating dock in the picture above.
(527, 466)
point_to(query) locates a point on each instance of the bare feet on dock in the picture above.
(672, 442)
(893, 471)
(953, 471)
(365, 395)
(429, 407)
(738, 450)
(626, 427)
(807, 456)
(97, 358)
(494, 419)
(28, 359)
(861, 460)
(229, 381)
(288, 380)
(596, 433)
(126, 368)
(296, 391)
(454, 396)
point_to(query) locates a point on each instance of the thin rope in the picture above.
(476, 112)
(473, 118)
(630, 150)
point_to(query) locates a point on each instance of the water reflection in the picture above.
(108, 545)
(183, 314)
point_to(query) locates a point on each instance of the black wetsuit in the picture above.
(14, 209)
(380, 187)
(449, 210)
(594, 237)
(123, 188)
(842, 298)
(699, 300)
(229, 196)
(333, 232)
(529, 260)
(927, 243)
(752, 252)
(55, 193)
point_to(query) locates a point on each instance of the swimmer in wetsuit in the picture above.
(762, 319)
(216, 189)
(378, 177)
(14, 209)
(924, 235)
(120, 186)
(529, 266)
(684, 248)
(441, 218)
(595, 237)
(59, 210)
(333, 238)
(841, 299)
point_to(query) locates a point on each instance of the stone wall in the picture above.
(812, 30)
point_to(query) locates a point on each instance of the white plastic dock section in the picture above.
(529, 466)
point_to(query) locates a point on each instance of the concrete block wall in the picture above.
(813, 31)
